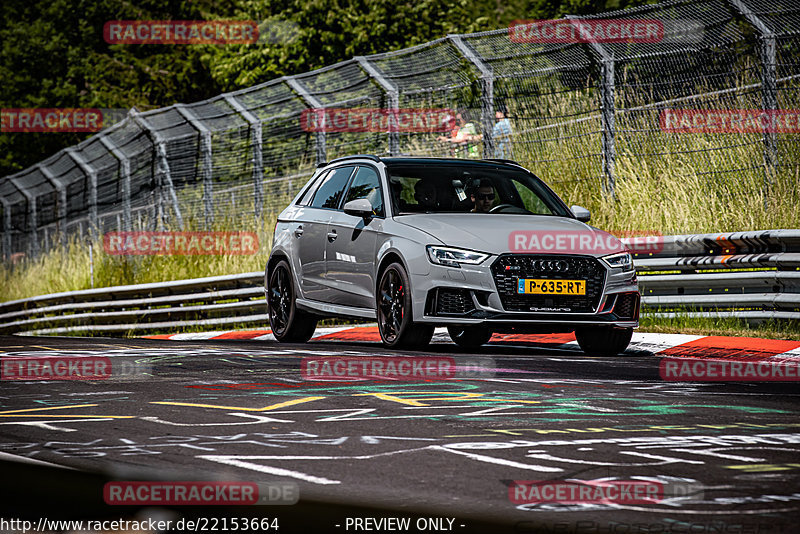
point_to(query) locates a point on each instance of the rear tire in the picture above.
(469, 337)
(289, 325)
(394, 311)
(604, 341)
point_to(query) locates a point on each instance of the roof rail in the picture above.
(503, 161)
(355, 156)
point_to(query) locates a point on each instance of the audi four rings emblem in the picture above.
(559, 266)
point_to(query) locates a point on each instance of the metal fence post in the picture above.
(607, 111)
(6, 241)
(125, 181)
(162, 173)
(769, 90)
(314, 104)
(31, 202)
(256, 147)
(61, 204)
(207, 160)
(392, 97)
(91, 174)
(487, 93)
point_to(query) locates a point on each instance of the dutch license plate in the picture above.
(539, 286)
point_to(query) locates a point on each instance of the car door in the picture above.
(351, 243)
(310, 228)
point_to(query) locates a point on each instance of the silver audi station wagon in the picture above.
(477, 246)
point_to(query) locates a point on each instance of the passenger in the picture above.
(425, 194)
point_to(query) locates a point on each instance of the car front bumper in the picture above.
(469, 295)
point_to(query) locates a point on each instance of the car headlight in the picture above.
(621, 260)
(454, 257)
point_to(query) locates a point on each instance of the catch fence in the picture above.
(584, 115)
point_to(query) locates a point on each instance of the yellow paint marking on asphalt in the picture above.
(453, 396)
(41, 347)
(393, 398)
(264, 409)
(27, 412)
(758, 468)
(51, 408)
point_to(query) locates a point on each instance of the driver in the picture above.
(482, 197)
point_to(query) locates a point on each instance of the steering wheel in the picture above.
(501, 207)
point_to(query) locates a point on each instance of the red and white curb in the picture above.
(673, 345)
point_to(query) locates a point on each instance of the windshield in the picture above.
(454, 188)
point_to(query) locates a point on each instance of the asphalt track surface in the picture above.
(441, 449)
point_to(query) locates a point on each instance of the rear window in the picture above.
(331, 189)
(309, 192)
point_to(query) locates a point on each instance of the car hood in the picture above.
(503, 233)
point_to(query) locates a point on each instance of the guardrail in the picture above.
(174, 305)
(751, 275)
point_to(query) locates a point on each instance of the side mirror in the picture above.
(360, 207)
(581, 213)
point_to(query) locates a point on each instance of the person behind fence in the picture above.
(501, 133)
(463, 137)
(482, 196)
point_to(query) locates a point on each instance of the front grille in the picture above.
(626, 305)
(509, 268)
(453, 302)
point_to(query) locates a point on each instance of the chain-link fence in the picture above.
(585, 112)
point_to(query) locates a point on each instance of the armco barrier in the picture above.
(751, 275)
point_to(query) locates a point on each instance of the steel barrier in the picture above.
(751, 275)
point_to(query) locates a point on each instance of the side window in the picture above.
(306, 198)
(367, 184)
(531, 201)
(331, 188)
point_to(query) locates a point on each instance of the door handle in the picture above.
(332, 236)
(298, 231)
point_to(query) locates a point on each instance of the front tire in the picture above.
(604, 341)
(394, 311)
(289, 325)
(469, 337)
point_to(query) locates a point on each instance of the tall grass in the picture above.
(70, 268)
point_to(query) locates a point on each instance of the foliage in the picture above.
(54, 54)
